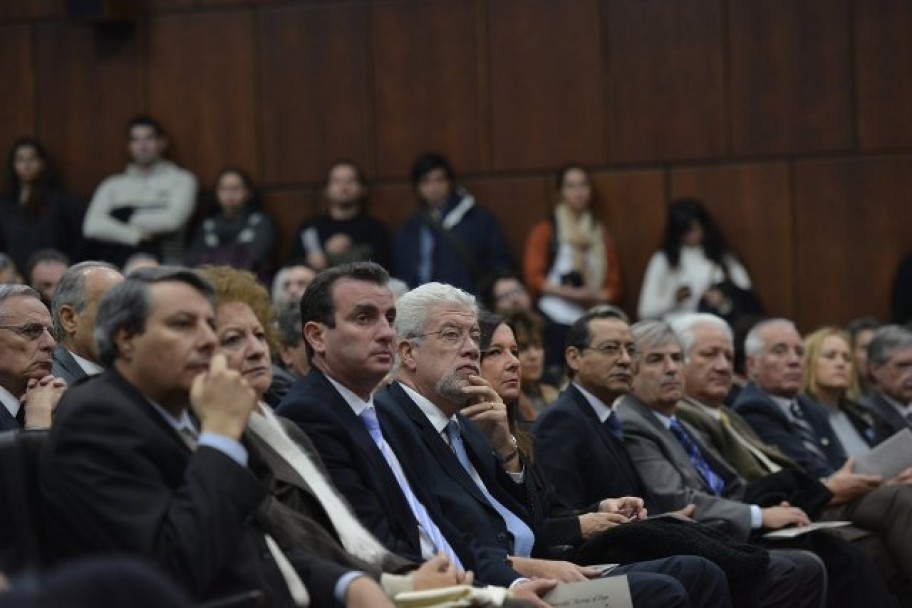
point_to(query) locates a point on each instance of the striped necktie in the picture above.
(805, 432)
(715, 483)
(372, 423)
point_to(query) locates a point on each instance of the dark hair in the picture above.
(289, 324)
(128, 304)
(428, 162)
(526, 324)
(856, 326)
(253, 201)
(682, 213)
(488, 322)
(561, 173)
(44, 255)
(487, 284)
(317, 303)
(345, 162)
(45, 183)
(580, 335)
(144, 120)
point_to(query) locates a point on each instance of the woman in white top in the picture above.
(686, 273)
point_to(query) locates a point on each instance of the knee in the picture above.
(657, 590)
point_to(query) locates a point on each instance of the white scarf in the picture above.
(354, 536)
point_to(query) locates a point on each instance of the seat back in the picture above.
(21, 531)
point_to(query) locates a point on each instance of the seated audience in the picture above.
(8, 271)
(503, 291)
(570, 262)
(346, 232)
(237, 231)
(28, 392)
(145, 208)
(451, 239)
(289, 284)
(139, 260)
(127, 469)
(695, 270)
(44, 270)
(35, 212)
(890, 368)
(535, 394)
(73, 310)
(861, 331)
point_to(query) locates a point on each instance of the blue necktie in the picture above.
(369, 418)
(523, 537)
(614, 425)
(806, 433)
(715, 483)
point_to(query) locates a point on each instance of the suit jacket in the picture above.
(713, 433)
(66, 367)
(673, 479)
(360, 472)
(7, 421)
(773, 427)
(437, 468)
(581, 458)
(887, 420)
(115, 477)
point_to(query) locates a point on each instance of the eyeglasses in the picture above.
(30, 331)
(613, 349)
(456, 336)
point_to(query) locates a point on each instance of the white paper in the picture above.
(610, 592)
(889, 458)
(799, 530)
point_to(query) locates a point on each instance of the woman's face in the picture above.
(694, 235)
(531, 359)
(500, 365)
(576, 191)
(27, 164)
(232, 193)
(243, 342)
(834, 364)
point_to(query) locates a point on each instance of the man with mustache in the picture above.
(28, 392)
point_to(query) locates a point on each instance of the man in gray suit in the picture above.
(890, 364)
(73, 311)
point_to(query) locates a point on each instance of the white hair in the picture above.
(415, 307)
(754, 344)
(685, 326)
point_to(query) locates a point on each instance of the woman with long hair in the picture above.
(570, 261)
(536, 394)
(694, 270)
(35, 212)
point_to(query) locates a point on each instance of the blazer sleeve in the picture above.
(567, 465)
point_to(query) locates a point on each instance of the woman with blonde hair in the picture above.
(830, 378)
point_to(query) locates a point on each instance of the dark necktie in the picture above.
(805, 432)
(614, 425)
(20, 416)
(715, 483)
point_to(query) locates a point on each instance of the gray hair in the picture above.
(651, 333)
(886, 340)
(754, 344)
(415, 307)
(685, 326)
(14, 290)
(289, 324)
(127, 305)
(71, 290)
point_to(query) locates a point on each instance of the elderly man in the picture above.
(890, 367)
(28, 391)
(447, 420)
(73, 309)
(126, 468)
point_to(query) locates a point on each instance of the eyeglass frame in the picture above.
(23, 331)
(464, 334)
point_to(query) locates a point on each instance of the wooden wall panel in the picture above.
(665, 80)
(88, 89)
(314, 107)
(752, 207)
(17, 103)
(202, 87)
(289, 209)
(546, 83)
(790, 76)
(852, 227)
(17, 10)
(632, 204)
(427, 85)
(883, 65)
(393, 204)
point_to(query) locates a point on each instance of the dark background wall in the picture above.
(790, 118)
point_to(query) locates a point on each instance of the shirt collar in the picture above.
(665, 420)
(713, 412)
(602, 411)
(436, 417)
(184, 421)
(784, 404)
(902, 408)
(89, 367)
(9, 401)
(355, 402)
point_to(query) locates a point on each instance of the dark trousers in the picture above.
(680, 581)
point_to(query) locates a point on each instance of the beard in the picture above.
(450, 388)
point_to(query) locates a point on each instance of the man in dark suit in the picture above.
(890, 365)
(28, 392)
(347, 314)
(73, 309)
(128, 469)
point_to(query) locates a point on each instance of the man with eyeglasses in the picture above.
(28, 391)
